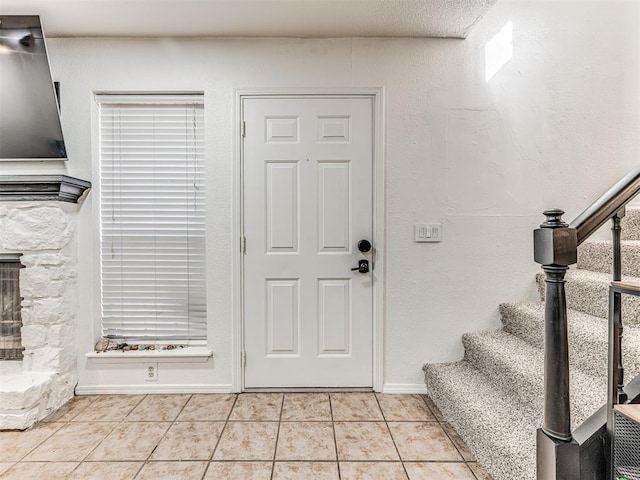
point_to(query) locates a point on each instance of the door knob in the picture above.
(363, 266)
(364, 246)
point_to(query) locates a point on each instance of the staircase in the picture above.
(493, 397)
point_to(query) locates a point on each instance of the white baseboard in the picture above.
(146, 388)
(404, 388)
(407, 388)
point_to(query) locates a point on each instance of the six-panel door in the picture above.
(308, 200)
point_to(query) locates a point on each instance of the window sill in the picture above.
(182, 355)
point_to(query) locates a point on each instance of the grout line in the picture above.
(41, 442)
(144, 462)
(440, 423)
(233, 405)
(117, 424)
(335, 439)
(275, 449)
(384, 417)
(134, 407)
(168, 428)
(44, 424)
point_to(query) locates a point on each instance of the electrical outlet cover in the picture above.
(151, 372)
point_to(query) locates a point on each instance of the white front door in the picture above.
(308, 201)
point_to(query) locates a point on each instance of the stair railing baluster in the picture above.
(615, 374)
(616, 229)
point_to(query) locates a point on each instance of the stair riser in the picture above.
(522, 376)
(500, 373)
(502, 465)
(593, 298)
(598, 257)
(589, 356)
(587, 351)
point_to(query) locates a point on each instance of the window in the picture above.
(152, 218)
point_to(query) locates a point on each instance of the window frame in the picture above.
(134, 98)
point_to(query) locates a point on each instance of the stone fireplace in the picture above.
(38, 217)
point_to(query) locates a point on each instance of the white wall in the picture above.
(556, 126)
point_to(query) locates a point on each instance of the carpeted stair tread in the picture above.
(499, 431)
(508, 360)
(588, 337)
(597, 256)
(588, 292)
(631, 224)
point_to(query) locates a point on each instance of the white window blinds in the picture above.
(152, 218)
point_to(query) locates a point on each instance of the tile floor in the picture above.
(270, 436)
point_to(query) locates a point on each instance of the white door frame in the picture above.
(377, 97)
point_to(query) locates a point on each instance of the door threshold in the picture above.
(309, 390)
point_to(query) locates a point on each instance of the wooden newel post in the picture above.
(555, 248)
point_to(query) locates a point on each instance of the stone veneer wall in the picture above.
(45, 233)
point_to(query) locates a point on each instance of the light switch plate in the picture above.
(427, 232)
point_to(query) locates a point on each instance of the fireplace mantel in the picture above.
(10, 257)
(42, 187)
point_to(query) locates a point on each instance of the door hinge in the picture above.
(243, 245)
(243, 359)
(243, 129)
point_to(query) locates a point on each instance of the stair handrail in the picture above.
(605, 207)
(555, 248)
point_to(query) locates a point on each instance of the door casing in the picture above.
(377, 97)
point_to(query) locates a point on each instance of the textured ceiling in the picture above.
(253, 18)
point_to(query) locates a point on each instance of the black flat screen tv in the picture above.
(29, 112)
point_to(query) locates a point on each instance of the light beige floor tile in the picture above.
(109, 408)
(459, 443)
(72, 443)
(306, 441)
(239, 470)
(130, 441)
(14, 445)
(479, 471)
(364, 441)
(422, 441)
(172, 471)
(403, 408)
(4, 466)
(189, 441)
(372, 471)
(305, 470)
(257, 407)
(355, 407)
(247, 441)
(434, 409)
(207, 408)
(39, 470)
(306, 407)
(71, 409)
(106, 471)
(158, 408)
(438, 471)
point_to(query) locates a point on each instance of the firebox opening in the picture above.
(10, 305)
